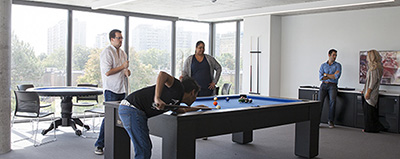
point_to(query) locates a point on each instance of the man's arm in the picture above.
(338, 72)
(118, 69)
(332, 76)
(162, 79)
(321, 73)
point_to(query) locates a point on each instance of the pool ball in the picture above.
(215, 103)
(218, 107)
(227, 98)
(246, 100)
(215, 98)
(241, 100)
(250, 100)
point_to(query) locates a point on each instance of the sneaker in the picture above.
(99, 151)
(330, 124)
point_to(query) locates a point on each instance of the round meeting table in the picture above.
(66, 93)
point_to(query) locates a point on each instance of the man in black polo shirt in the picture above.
(142, 104)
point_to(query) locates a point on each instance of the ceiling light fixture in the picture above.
(108, 3)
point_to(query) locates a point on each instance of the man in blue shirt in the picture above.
(329, 74)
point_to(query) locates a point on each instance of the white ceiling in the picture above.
(206, 10)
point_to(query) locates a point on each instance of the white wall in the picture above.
(294, 47)
(306, 40)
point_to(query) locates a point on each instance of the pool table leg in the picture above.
(307, 135)
(243, 137)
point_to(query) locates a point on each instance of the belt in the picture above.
(328, 82)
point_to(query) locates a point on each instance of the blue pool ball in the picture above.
(227, 98)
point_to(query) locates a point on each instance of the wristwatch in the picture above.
(325, 74)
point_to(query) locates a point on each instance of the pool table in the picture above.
(180, 131)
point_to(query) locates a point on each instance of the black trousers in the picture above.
(371, 118)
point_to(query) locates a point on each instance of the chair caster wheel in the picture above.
(78, 132)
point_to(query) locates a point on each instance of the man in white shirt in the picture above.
(114, 74)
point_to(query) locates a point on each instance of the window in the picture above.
(38, 47)
(225, 51)
(187, 34)
(149, 52)
(90, 37)
(37, 44)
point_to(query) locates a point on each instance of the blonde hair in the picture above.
(374, 60)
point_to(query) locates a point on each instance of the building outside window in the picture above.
(150, 50)
(187, 34)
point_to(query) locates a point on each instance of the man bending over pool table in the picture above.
(137, 107)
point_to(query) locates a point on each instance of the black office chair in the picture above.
(89, 101)
(27, 105)
(216, 90)
(23, 87)
(225, 88)
(92, 98)
(96, 113)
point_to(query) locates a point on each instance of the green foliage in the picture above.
(80, 57)
(25, 67)
(227, 61)
(92, 69)
(158, 59)
(55, 59)
(141, 74)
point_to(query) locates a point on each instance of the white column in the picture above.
(5, 75)
(267, 29)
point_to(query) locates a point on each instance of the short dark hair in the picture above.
(199, 42)
(331, 51)
(112, 33)
(190, 84)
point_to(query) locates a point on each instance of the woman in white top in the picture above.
(371, 90)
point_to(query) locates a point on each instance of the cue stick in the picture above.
(180, 106)
(251, 66)
(128, 89)
(258, 64)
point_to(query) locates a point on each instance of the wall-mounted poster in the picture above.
(391, 67)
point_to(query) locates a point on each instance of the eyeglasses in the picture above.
(119, 38)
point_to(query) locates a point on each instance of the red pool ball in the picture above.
(215, 103)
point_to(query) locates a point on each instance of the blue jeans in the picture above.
(330, 90)
(108, 96)
(135, 123)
